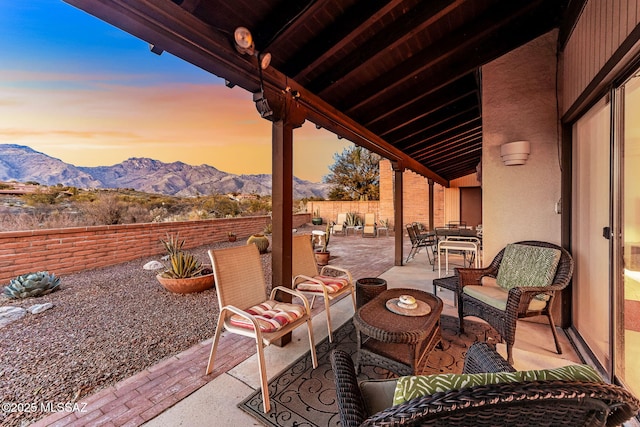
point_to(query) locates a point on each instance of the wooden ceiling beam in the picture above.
(446, 135)
(427, 100)
(420, 17)
(444, 117)
(332, 39)
(474, 37)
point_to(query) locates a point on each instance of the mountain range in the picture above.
(21, 163)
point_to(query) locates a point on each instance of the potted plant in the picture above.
(232, 236)
(322, 254)
(261, 241)
(316, 219)
(185, 273)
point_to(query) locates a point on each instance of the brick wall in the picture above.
(415, 199)
(69, 250)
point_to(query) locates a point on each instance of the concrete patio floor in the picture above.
(176, 393)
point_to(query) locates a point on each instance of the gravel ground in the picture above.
(106, 325)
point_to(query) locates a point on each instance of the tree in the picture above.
(355, 175)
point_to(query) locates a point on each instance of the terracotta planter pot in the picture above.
(188, 285)
(322, 258)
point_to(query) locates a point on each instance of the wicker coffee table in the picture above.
(396, 342)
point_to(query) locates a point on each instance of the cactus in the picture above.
(261, 241)
(183, 265)
(32, 285)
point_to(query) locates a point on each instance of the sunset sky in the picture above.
(78, 89)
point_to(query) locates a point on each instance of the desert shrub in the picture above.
(106, 210)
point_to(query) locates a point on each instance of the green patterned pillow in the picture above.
(524, 265)
(410, 387)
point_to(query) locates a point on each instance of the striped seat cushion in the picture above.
(333, 284)
(271, 316)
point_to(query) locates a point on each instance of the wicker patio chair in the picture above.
(518, 303)
(246, 310)
(330, 282)
(527, 403)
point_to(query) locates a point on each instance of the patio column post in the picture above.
(431, 227)
(398, 170)
(287, 116)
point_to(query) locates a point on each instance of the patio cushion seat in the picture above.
(332, 284)
(410, 387)
(497, 297)
(271, 316)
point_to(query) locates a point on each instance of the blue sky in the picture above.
(81, 90)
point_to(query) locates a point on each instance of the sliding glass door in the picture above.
(605, 232)
(627, 273)
(591, 212)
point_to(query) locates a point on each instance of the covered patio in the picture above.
(176, 391)
(437, 88)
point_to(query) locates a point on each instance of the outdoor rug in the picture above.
(301, 396)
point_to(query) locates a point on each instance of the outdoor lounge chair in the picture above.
(369, 228)
(245, 309)
(330, 283)
(340, 224)
(531, 403)
(520, 284)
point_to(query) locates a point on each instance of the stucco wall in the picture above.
(519, 103)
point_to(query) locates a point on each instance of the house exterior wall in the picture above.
(519, 103)
(602, 28)
(70, 250)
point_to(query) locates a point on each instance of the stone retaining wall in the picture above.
(70, 250)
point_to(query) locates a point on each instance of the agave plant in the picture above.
(32, 285)
(183, 265)
(172, 244)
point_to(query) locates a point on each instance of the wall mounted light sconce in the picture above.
(515, 153)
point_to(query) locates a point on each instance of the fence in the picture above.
(70, 250)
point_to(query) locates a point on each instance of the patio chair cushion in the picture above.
(410, 387)
(377, 394)
(333, 284)
(496, 296)
(524, 265)
(271, 316)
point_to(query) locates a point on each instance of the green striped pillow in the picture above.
(410, 387)
(524, 265)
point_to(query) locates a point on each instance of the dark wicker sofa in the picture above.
(532, 403)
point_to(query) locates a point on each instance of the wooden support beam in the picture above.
(398, 220)
(287, 115)
(431, 213)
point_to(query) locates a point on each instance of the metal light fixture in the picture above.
(262, 105)
(244, 41)
(245, 45)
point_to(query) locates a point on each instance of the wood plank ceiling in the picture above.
(400, 77)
